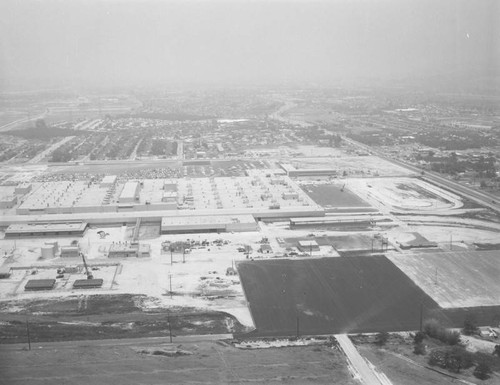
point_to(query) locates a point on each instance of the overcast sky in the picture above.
(117, 42)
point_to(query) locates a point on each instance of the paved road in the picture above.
(366, 373)
(116, 342)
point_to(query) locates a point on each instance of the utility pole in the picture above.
(451, 241)
(170, 280)
(421, 314)
(169, 327)
(298, 334)
(183, 254)
(28, 333)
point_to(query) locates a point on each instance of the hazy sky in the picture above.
(115, 42)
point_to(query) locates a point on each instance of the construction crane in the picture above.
(89, 274)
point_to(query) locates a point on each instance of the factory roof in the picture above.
(208, 219)
(109, 179)
(129, 190)
(45, 227)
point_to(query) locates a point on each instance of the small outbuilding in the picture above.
(308, 246)
(88, 283)
(4, 272)
(40, 284)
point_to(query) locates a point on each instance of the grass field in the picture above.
(208, 363)
(332, 295)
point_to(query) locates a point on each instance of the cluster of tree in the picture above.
(61, 155)
(455, 357)
(179, 116)
(371, 139)
(484, 166)
(454, 140)
(335, 140)
(43, 132)
(434, 329)
(163, 147)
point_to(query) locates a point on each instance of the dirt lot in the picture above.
(99, 317)
(204, 363)
(332, 295)
(455, 279)
(333, 195)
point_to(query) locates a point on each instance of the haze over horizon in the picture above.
(114, 42)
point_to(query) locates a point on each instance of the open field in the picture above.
(202, 363)
(95, 317)
(455, 279)
(331, 295)
(333, 195)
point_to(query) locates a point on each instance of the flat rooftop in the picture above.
(206, 220)
(46, 227)
(40, 284)
(87, 283)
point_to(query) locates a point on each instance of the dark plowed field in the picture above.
(332, 295)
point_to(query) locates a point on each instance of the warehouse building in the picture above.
(108, 181)
(208, 224)
(130, 193)
(129, 250)
(47, 229)
(8, 202)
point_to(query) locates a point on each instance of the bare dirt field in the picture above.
(331, 295)
(197, 363)
(455, 279)
(105, 316)
(333, 195)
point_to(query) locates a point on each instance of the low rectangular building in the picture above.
(108, 181)
(8, 202)
(130, 193)
(4, 272)
(208, 224)
(70, 252)
(122, 250)
(308, 246)
(88, 283)
(40, 284)
(23, 188)
(46, 229)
